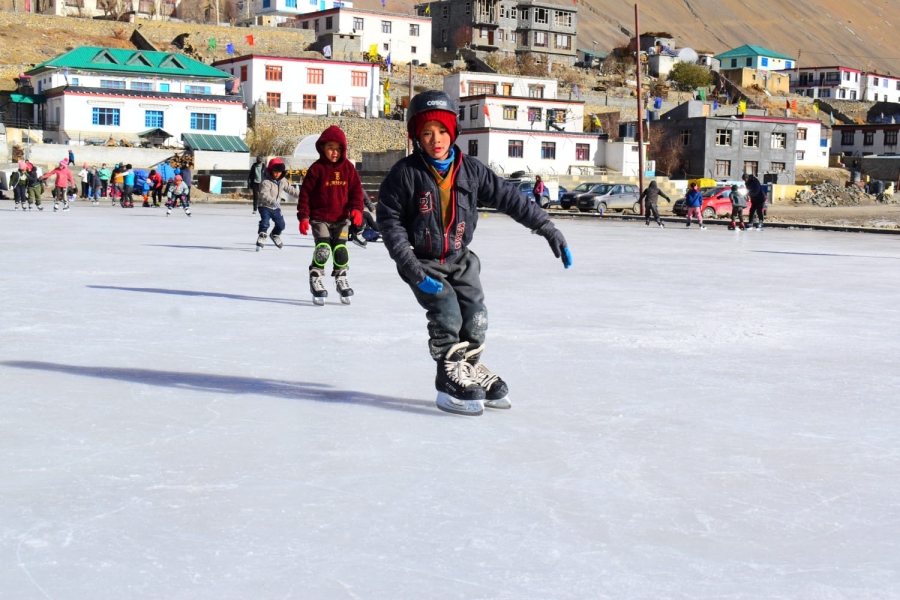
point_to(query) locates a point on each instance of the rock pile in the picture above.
(829, 194)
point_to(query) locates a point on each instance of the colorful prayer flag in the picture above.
(250, 39)
(742, 107)
(229, 48)
(326, 51)
(487, 112)
(373, 51)
(701, 94)
(816, 107)
(428, 10)
(212, 43)
(576, 91)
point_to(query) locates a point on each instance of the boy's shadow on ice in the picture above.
(204, 294)
(230, 384)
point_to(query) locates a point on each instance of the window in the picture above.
(535, 114)
(412, 49)
(801, 133)
(290, 3)
(540, 39)
(582, 152)
(473, 147)
(473, 112)
(385, 27)
(359, 78)
(749, 62)
(316, 25)
(153, 118)
(751, 167)
(74, 81)
(445, 12)
(309, 101)
(273, 73)
(443, 35)
(788, 64)
(305, 24)
(890, 138)
(535, 91)
(541, 15)
(779, 140)
(832, 77)
(164, 87)
(562, 19)
(196, 89)
(876, 82)
(315, 76)
(824, 93)
(468, 8)
(723, 137)
(507, 89)
(733, 63)
(267, 3)
(523, 14)
(359, 105)
(244, 73)
(764, 61)
(513, 13)
(685, 137)
(868, 138)
(848, 138)
(273, 99)
(516, 149)
(563, 42)
(480, 88)
(885, 84)
(510, 113)
(142, 86)
(462, 113)
(112, 84)
(778, 167)
(751, 139)
(329, 23)
(876, 98)
(386, 47)
(548, 150)
(358, 23)
(105, 116)
(413, 30)
(801, 154)
(203, 122)
(723, 168)
(513, 36)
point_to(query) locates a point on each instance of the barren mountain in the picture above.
(861, 34)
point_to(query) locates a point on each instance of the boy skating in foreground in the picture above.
(330, 198)
(427, 213)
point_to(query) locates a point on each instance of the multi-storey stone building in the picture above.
(506, 26)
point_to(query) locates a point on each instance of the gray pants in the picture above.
(331, 242)
(457, 313)
(651, 210)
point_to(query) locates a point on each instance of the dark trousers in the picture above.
(737, 214)
(457, 313)
(127, 194)
(157, 195)
(104, 186)
(85, 189)
(20, 193)
(274, 214)
(652, 211)
(756, 208)
(254, 188)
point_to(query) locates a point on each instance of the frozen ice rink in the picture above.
(696, 414)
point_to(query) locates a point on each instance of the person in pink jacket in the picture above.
(64, 180)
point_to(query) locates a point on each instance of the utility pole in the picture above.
(640, 116)
(409, 143)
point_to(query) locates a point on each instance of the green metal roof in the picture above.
(27, 99)
(118, 60)
(219, 143)
(748, 50)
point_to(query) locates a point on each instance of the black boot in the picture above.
(496, 390)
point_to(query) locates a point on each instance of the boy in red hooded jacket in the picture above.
(330, 198)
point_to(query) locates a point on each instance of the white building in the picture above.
(517, 124)
(405, 38)
(871, 139)
(307, 86)
(813, 147)
(843, 83)
(94, 94)
(280, 11)
(93, 8)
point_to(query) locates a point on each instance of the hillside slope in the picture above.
(857, 34)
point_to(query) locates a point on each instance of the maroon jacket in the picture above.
(330, 190)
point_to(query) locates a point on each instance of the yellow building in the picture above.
(773, 81)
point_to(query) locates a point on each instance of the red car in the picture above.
(716, 203)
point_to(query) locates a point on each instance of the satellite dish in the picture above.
(307, 148)
(687, 55)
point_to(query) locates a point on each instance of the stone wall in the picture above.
(363, 135)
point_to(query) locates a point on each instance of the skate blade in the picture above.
(318, 301)
(502, 403)
(448, 403)
(258, 248)
(345, 299)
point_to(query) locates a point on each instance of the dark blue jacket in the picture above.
(694, 199)
(409, 211)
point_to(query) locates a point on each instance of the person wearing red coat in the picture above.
(156, 187)
(64, 180)
(330, 199)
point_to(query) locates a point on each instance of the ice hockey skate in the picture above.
(317, 287)
(458, 391)
(261, 240)
(342, 284)
(276, 239)
(495, 389)
(356, 238)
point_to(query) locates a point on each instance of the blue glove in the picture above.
(557, 242)
(430, 286)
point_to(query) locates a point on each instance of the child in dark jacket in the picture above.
(738, 197)
(330, 198)
(427, 213)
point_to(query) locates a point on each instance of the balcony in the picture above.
(485, 12)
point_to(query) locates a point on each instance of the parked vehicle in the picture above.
(527, 188)
(602, 197)
(716, 203)
(570, 199)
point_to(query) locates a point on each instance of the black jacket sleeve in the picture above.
(394, 200)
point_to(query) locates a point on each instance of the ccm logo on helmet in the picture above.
(436, 103)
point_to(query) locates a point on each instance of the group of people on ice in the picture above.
(693, 203)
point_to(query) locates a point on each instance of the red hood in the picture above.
(332, 134)
(273, 162)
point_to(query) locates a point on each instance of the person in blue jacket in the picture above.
(692, 202)
(427, 213)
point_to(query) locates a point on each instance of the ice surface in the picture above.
(696, 414)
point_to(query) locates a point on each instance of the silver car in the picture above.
(611, 196)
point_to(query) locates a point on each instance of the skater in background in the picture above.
(104, 173)
(368, 231)
(254, 179)
(692, 203)
(156, 187)
(185, 173)
(273, 185)
(538, 189)
(757, 200)
(96, 185)
(331, 197)
(35, 187)
(128, 187)
(427, 213)
(118, 183)
(64, 180)
(178, 193)
(652, 194)
(738, 197)
(85, 175)
(18, 181)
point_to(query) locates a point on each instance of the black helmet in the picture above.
(429, 100)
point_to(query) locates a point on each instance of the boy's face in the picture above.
(332, 151)
(435, 140)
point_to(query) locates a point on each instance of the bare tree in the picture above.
(666, 149)
(114, 9)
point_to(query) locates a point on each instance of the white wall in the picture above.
(47, 81)
(814, 155)
(301, 6)
(623, 157)
(858, 148)
(49, 155)
(458, 84)
(886, 88)
(493, 150)
(574, 120)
